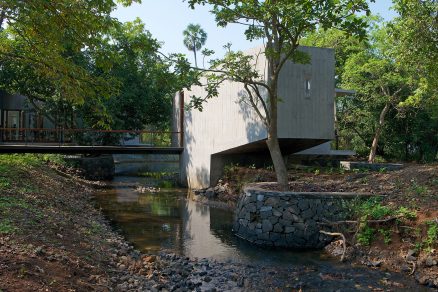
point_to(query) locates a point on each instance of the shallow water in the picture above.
(168, 221)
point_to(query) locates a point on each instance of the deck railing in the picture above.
(62, 136)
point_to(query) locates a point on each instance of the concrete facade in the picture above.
(228, 130)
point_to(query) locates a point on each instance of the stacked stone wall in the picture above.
(288, 219)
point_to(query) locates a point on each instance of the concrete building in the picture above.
(229, 131)
(21, 122)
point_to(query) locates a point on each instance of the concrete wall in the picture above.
(308, 116)
(227, 127)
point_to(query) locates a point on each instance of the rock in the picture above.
(209, 193)
(122, 267)
(39, 250)
(265, 208)
(276, 213)
(149, 259)
(278, 228)
(260, 198)
(405, 268)
(207, 279)
(429, 262)
(303, 205)
(273, 202)
(289, 229)
(266, 226)
(411, 252)
(422, 279)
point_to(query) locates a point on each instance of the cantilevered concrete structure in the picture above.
(229, 131)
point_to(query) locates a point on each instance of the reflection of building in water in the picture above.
(198, 236)
(221, 222)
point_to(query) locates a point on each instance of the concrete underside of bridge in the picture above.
(255, 154)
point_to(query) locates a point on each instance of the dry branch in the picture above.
(330, 223)
(344, 244)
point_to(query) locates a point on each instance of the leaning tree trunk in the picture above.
(274, 146)
(372, 156)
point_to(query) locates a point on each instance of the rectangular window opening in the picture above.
(307, 88)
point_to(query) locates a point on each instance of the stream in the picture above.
(168, 222)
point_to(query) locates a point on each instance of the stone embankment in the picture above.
(288, 219)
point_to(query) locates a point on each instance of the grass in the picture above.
(373, 209)
(6, 227)
(15, 184)
(4, 183)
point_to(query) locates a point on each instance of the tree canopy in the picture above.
(43, 34)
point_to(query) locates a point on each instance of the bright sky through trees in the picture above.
(166, 20)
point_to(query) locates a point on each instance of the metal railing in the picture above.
(62, 136)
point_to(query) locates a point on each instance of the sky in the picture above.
(166, 20)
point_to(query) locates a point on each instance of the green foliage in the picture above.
(365, 235)
(230, 169)
(54, 158)
(417, 189)
(156, 175)
(372, 209)
(43, 36)
(386, 233)
(165, 184)
(406, 213)
(432, 235)
(12, 202)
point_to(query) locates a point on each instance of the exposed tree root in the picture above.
(344, 244)
(414, 266)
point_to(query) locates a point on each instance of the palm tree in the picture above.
(194, 38)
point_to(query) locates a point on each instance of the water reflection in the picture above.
(168, 221)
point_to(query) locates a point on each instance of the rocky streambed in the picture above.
(169, 272)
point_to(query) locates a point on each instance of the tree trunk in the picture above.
(272, 141)
(278, 161)
(379, 129)
(194, 53)
(2, 18)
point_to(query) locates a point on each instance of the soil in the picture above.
(414, 187)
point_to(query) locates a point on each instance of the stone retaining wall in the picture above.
(288, 219)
